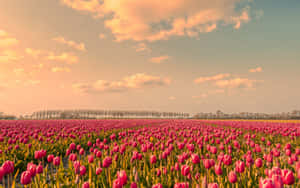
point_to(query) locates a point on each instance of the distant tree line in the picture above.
(248, 115)
(7, 117)
(103, 114)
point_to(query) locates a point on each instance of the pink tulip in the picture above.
(98, 170)
(185, 170)
(288, 177)
(26, 178)
(181, 185)
(133, 185)
(218, 169)
(258, 162)
(153, 159)
(122, 176)
(266, 183)
(90, 158)
(213, 185)
(56, 161)
(195, 158)
(232, 177)
(107, 161)
(240, 166)
(157, 186)
(50, 158)
(82, 170)
(39, 169)
(86, 185)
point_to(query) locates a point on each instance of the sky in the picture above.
(173, 55)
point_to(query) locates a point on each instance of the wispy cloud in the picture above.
(9, 56)
(211, 78)
(70, 43)
(142, 47)
(64, 57)
(160, 59)
(136, 81)
(258, 69)
(60, 69)
(3, 33)
(228, 81)
(6, 40)
(237, 83)
(33, 52)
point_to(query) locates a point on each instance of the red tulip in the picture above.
(232, 177)
(82, 170)
(26, 178)
(213, 185)
(98, 170)
(288, 177)
(218, 169)
(90, 158)
(258, 162)
(195, 158)
(153, 159)
(86, 185)
(185, 170)
(266, 183)
(122, 176)
(39, 169)
(157, 186)
(133, 185)
(50, 158)
(107, 161)
(56, 161)
(240, 166)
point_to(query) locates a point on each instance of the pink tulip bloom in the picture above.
(232, 177)
(25, 178)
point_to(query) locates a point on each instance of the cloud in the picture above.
(258, 69)
(152, 20)
(33, 52)
(136, 81)
(159, 59)
(6, 40)
(70, 43)
(91, 6)
(228, 81)
(142, 47)
(3, 33)
(236, 83)
(102, 36)
(60, 69)
(8, 56)
(64, 57)
(211, 78)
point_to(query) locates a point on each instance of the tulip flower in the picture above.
(25, 178)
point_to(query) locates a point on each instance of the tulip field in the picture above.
(149, 153)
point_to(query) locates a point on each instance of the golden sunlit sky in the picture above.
(173, 55)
